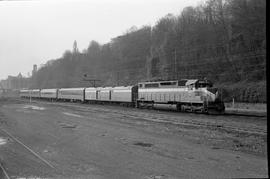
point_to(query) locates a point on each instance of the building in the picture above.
(34, 71)
(18, 82)
(15, 82)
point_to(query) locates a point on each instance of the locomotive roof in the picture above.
(187, 81)
(158, 81)
(190, 82)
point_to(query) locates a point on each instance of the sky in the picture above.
(35, 31)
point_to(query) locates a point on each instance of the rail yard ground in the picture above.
(73, 140)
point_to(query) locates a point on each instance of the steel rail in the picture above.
(256, 131)
(186, 123)
(223, 114)
(29, 149)
(4, 171)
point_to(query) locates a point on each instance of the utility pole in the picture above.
(30, 99)
(92, 81)
(117, 78)
(175, 64)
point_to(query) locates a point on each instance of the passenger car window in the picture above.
(167, 83)
(151, 85)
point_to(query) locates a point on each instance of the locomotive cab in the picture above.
(203, 84)
(216, 104)
(211, 97)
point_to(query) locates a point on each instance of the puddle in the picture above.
(31, 177)
(71, 114)
(156, 177)
(65, 125)
(33, 107)
(143, 144)
(3, 141)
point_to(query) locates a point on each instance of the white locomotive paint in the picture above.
(162, 89)
(191, 82)
(166, 92)
(164, 95)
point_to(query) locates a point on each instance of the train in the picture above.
(192, 95)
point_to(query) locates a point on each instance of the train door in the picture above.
(83, 95)
(134, 93)
(110, 95)
(98, 95)
(57, 91)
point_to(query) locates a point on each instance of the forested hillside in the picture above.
(222, 40)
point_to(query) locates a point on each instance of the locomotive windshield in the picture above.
(182, 82)
(204, 84)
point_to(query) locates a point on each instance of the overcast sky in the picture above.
(33, 32)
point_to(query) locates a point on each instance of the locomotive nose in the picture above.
(215, 92)
(217, 103)
(212, 90)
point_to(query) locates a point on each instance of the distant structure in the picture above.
(18, 82)
(91, 80)
(34, 71)
(75, 47)
(15, 82)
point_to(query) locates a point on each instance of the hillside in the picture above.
(224, 41)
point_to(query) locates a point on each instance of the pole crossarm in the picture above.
(92, 81)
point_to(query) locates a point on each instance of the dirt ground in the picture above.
(251, 106)
(72, 140)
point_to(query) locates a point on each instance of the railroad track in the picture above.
(230, 113)
(161, 118)
(31, 151)
(197, 124)
(4, 173)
